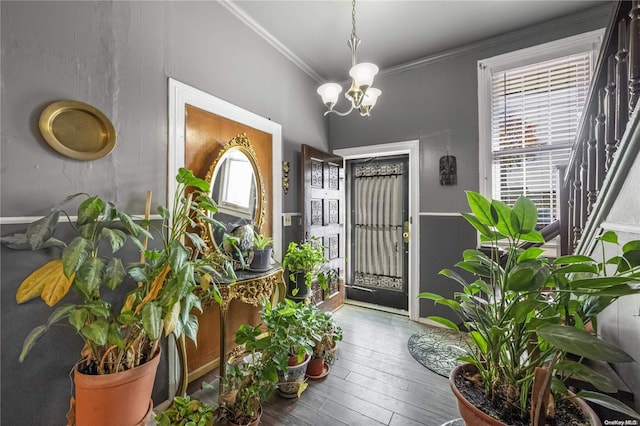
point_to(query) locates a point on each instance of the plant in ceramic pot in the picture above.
(186, 411)
(121, 337)
(262, 249)
(305, 263)
(325, 334)
(526, 319)
(289, 326)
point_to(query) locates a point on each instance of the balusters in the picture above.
(610, 112)
(622, 81)
(612, 101)
(583, 185)
(571, 205)
(591, 165)
(600, 142)
(577, 206)
(634, 56)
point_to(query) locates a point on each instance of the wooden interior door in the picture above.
(324, 217)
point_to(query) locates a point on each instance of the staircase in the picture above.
(598, 189)
(607, 141)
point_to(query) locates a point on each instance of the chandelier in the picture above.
(362, 96)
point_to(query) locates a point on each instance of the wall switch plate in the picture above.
(286, 219)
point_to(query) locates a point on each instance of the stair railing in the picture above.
(607, 140)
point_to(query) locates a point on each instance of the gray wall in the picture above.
(117, 56)
(37, 391)
(620, 323)
(437, 104)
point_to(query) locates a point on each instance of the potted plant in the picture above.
(305, 263)
(262, 248)
(185, 411)
(526, 319)
(325, 334)
(121, 338)
(249, 380)
(289, 327)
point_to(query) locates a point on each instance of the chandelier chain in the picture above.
(353, 19)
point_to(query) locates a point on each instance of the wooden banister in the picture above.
(605, 131)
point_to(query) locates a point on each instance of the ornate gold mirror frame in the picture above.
(242, 143)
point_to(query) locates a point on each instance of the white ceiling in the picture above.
(393, 32)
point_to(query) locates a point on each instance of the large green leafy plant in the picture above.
(528, 317)
(160, 300)
(305, 262)
(248, 383)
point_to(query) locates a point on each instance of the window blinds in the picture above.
(535, 112)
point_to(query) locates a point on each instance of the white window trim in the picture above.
(486, 67)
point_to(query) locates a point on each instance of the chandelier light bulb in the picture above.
(371, 97)
(329, 93)
(363, 74)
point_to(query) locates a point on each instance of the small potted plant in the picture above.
(305, 262)
(325, 334)
(186, 411)
(289, 327)
(527, 320)
(249, 380)
(262, 249)
(121, 339)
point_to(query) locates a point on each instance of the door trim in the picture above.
(181, 94)
(412, 148)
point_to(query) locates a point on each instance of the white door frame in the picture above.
(412, 148)
(180, 95)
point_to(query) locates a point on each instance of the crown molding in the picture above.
(524, 33)
(527, 32)
(243, 16)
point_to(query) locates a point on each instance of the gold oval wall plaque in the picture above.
(77, 130)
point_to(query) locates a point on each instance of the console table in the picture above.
(251, 287)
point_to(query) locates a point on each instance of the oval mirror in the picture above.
(236, 186)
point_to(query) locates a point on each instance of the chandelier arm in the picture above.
(341, 114)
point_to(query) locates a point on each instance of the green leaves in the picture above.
(581, 343)
(152, 320)
(481, 208)
(186, 177)
(581, 371)
(524, 216)
(608, 402)
(524, 312)
(495, 220)
(74, 254)
(161, 294)
(89, 210)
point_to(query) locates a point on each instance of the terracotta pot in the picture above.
(122, 398)
(315, 367)
(473, 416)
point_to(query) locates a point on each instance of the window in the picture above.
(237, 187)
(530, 103)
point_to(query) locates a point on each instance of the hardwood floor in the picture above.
(374, 380)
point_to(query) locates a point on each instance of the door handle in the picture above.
(405, 233)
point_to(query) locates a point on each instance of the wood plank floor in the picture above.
(374, 380)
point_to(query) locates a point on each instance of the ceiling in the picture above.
(393, 32)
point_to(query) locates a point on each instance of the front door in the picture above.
(324, 218)
(379, 214)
